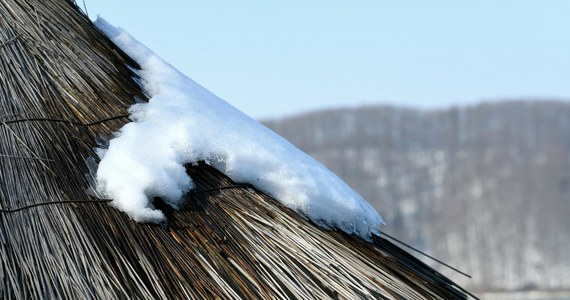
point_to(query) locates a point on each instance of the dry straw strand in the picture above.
(63, 85)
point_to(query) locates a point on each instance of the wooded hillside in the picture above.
(485, 188)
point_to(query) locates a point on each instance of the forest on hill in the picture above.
(485, 188)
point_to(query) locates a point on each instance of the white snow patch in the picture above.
(185, 123)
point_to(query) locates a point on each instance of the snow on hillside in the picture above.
(484, 188)
(185, 123)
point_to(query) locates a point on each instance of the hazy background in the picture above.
(274, 58)
(483, 186)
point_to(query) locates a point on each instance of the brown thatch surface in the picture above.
(59, 74)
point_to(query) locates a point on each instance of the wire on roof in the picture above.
(216, 189)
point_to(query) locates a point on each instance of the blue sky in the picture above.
(275, 58)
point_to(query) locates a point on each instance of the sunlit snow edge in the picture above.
(185, 123)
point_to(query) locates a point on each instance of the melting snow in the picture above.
(185, 123)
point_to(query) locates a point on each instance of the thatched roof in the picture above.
(64, 88)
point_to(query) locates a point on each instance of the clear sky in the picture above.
(275, 58)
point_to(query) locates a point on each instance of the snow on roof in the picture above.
(185, 123)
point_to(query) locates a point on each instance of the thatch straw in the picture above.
(63, 86)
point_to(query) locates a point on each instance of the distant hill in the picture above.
(486, 188)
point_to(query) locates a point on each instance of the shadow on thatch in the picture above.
(64, 85)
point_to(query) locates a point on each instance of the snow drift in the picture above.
(185, 123)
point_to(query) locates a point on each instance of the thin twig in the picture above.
(25, 157)
(10, 40)
(424, 254)
(221, 188)
(65, 121)
(85, 8)
(28, 148)
(13, 210)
